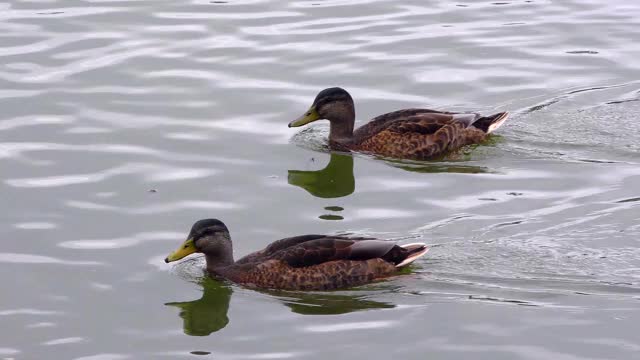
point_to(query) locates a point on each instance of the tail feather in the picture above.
(490, 123)
(416, 250)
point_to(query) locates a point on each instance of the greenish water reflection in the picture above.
(335, 180)
(331, 217)
(329, 304)
(208, 314)
(426, 167)
(449, 163)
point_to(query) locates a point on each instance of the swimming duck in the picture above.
(411, 133)
(306, 262)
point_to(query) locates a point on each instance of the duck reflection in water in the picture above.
(435, 167)
(328, 304)
(334, 181)
(337, 178)
(208, 314)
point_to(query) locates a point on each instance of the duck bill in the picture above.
(310, 116)
(187, 248)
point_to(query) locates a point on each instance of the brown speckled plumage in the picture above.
(420, 136)
(307, 262)
(410, 133)
(278, 274)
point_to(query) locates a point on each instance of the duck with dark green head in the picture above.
(306, 262)
(410, 133)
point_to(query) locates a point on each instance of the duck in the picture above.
(416, 134)
(305, 262)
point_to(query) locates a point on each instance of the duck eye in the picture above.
(186, 246)
(308, 113)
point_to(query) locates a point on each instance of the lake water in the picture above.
(123, 122)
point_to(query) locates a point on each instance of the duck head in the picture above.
(333, 104)
(210, 237)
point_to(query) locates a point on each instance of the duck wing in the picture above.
(327, 249)
(419, 121)
(286, 243)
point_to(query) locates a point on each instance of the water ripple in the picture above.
(121, 242)
(154, 209)
(349, 326)
(151, 172)
(14, 258)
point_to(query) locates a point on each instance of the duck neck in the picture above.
(340, 132)
(221, 257)
(341, 125)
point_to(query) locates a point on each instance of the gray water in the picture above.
(123, 122)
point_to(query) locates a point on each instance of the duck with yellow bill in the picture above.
(418, 134)
(306, 262)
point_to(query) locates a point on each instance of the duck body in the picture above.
(307, 262)
(419, 134)
(318, 262)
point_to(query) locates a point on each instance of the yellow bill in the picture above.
(187, 248)
(310, 116)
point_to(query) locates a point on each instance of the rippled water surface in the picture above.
(123, 122)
